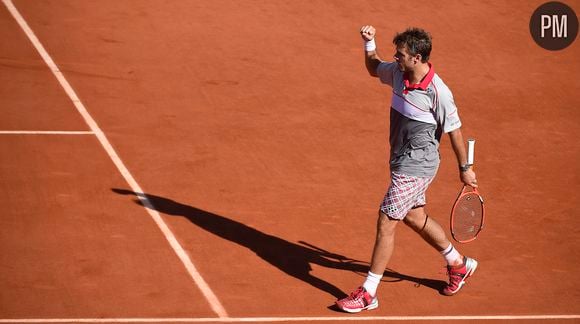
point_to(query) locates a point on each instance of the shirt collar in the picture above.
(423, 84)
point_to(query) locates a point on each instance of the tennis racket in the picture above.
(468, 213)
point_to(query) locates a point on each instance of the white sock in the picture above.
(372, 283)
(451, 255)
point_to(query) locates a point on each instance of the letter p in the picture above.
(546, 24)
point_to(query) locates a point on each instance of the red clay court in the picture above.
(223, 161)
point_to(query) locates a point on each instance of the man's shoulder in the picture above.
(439, 86)
(391, 67)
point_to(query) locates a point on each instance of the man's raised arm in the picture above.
(372, 59)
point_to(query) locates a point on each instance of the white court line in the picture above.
(24, 132)
(191, 269)
(345, 318)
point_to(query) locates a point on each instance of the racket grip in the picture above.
(470, 151)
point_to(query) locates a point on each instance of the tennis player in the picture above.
(422, 108)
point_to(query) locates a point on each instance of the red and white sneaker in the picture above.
(358, 300)
(458, 276)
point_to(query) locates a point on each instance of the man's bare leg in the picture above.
(430, 231)
(384, 243)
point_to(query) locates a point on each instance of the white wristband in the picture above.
(370, 45)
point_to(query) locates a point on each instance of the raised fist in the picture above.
(368, 32)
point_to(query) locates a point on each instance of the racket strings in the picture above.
(468, 217)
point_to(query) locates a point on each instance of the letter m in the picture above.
(560, 28)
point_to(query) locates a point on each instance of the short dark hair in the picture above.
(417, 40)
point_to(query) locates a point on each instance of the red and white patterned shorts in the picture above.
(405, 192)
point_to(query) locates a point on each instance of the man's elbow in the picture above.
(372, 71)
(372, 66)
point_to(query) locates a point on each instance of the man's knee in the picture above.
(417, 220)
(385, 224)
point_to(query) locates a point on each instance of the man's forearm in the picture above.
(458, 145)
(372, 61)
(466, 175)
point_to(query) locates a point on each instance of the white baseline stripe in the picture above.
(295, 319)
(197, 278)
(23, 132)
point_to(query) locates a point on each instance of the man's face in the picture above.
(405, 60)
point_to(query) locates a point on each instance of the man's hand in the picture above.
(468, 178)
(368, 33)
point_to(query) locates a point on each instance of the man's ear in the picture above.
(418, 58)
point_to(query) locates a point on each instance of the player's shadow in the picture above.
(290, 258)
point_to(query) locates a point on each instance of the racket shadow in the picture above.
(291, 258)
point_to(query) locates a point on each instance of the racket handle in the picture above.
(470, 151)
